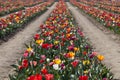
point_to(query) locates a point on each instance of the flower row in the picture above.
(14, 21)
(60, 52)
(9, 7)
(109, 8)
(109, 20)
(115, 3)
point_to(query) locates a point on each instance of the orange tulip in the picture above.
(100, 57)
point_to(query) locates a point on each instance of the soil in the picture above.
(104, 41)
(12, 50)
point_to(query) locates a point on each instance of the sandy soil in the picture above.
(11, 51)
(103, 43)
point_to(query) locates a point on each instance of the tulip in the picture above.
(71, 48)
(25, 63)
(84, 52)
(57, 61)
(20, 67)
(43, 57)
(86, 62)
(56, 42)
(46, 46)
(104, 79)
(62, 66)
(39, 42)
(76, 49)
(75, 63)
(71, 55)
(44, 71)
(29, 49)
(83, 77)
(100, 57)
(41, 61)
(25, 54)
(49, 76)
(56, 66)
(35, 77)
(34, 63)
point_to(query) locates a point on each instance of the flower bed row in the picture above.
(33, 3)
(109, 20)
(19, 19)
(105, 2)
(10, 7)
(109, 8)
(60, 52)
(110, 3)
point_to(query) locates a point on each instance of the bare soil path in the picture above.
(11, 51)
(102, 42)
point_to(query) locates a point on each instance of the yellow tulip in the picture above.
(29, 49)
(86, 62)
(86, 72)
(39, 41)
(57, 61)
(56, 42)
(76, 49)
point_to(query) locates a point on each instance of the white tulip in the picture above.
(56, 66)
(48, 60)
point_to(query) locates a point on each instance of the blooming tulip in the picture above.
(49, 76)
(100, 57)
(83, 77)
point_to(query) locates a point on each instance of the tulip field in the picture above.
(106, 17)
(9, 7)
(48, 40)
(17, 20)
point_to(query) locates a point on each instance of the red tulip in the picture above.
(74, 63)
(25, 63)
(83, 77)
(37, 36)
(20, 67)
(44, 71)
(41, 61)
(49, 77)
(46, 46)
(35, 77)
(84, 52)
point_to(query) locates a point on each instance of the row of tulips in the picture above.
(91, 3)
(19, 19)
(10, 7)
(7, 7)
(32, 3)
(110, 3)
(103, 2)
(109, 8)
(60, 52)
(109, 20)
